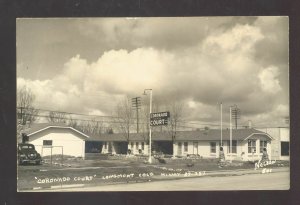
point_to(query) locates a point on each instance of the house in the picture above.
(51, 139)
(247, 144)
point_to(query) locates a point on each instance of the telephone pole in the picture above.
(236, 114)
(136, 104)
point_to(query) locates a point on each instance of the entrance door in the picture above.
(195, 150)
(179, 149)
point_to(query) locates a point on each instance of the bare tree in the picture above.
(26, 111)
(57, 117)
(176, 116)
(124, 117)
(93, 127)
(72, 123)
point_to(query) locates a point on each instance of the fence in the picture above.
(46, 150)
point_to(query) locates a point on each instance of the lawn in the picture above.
(118, 169)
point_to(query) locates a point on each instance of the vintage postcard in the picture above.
(153, 104)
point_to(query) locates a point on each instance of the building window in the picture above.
(47, 142)
(185, 144)
(251, 146)
(285, 149)
(262, 145)
(132, 145)
(137, 145)
(143, 145)
(213, 147)
(234, 146)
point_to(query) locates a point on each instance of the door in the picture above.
(195, 150)
(179, 149)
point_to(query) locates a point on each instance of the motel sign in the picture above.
(159, 118)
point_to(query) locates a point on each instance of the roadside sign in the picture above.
(159, 118)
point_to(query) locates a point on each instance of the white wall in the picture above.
(135, 149)
(203, 149)
(279, 135)
(68, 139)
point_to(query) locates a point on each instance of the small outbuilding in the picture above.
(56, 139)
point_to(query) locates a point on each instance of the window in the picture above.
(132, 145)
(213, 147)
(234, 145)
(251, 146)
(285, 149)
(262, 145)
(143, 145)
(137, 145)
(105, 145)
(185, 146)
(47, 142)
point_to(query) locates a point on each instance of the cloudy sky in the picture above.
(86, 65)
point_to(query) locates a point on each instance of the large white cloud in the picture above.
(222, 66)
(269, 81)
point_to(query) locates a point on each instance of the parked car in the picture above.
(28, 154)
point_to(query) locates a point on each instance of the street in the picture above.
(269, 181)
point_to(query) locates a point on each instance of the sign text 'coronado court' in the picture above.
(160, 118)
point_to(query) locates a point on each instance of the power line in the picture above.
(70, 113)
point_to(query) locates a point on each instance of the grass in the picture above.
(102, 171)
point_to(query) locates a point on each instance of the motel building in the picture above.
(247, 144)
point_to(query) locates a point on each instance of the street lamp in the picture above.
(150, 160)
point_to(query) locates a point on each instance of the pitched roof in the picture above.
(39, 127)
(211, 134)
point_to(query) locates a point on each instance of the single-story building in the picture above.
(50, 138)
(247, 144)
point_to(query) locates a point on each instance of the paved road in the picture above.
(270, 181)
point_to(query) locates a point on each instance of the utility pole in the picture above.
(136, 103)
(236, 114)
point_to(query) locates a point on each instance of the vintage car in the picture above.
(28, 154)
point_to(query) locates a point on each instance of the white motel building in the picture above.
(247, 144)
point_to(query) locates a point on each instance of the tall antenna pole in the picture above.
(150, 159)
(150, 149)
(230, 135)
(221, 126)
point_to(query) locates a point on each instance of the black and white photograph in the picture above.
(110, 104)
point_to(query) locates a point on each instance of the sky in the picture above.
(86, 65)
